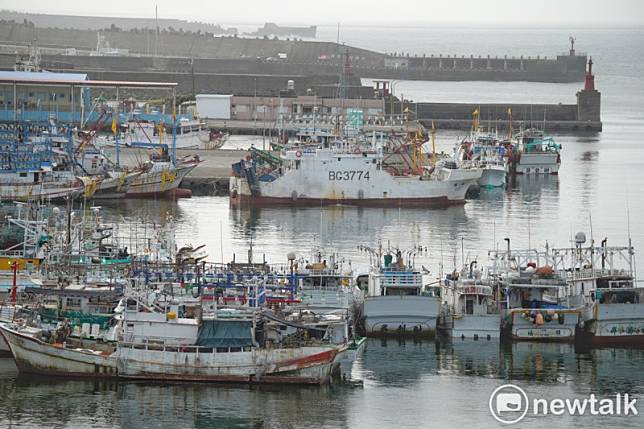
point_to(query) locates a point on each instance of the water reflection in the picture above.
(447, 383)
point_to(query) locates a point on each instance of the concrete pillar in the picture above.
(588, 105)
(487, 66)
(505, 62)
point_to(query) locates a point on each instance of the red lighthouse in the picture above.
(589, 85)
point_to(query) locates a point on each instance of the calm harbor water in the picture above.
(406, 384)
(410, 384)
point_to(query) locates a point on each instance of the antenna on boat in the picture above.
(493, 233)
(463, 251)
(592, 237)
(529, 235)
(633, 266)
(433, 143)
(221, 242)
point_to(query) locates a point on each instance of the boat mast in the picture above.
(433, 143)
(115, 129)
(174, 126)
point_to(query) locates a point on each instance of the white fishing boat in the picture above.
(603, 286)
(235, 346)
(534, 301)
(32, 170)
(189, 134)
(160, 178)
(342, 174)
(37, 351)
(536, 154)
(468, 308)
(493, 175)
(324, 285)
(487, 153)
(397, 303)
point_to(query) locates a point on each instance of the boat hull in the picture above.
(4, 347)
(237, 200)
(53, 191)
(34, 356)
(6, 316)
(158, 183)
(355, 350)
(616, 324)
(518, 328)
(538, 163)
(400, 316)
(476, 327)
(492, 178)
(300, 365)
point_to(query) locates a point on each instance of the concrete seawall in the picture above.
(583, 116)
(203, 53)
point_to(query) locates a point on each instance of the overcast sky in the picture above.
(506, 13)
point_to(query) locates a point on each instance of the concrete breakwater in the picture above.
(202, 53)
(583, 116)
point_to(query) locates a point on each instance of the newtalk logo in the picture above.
(509, 404)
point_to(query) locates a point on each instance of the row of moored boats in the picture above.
(93, 299)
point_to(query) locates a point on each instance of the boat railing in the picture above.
(591, 273)
(475, 290)
(179, 348)
(401, 279)
(543, 310)
(535, 282)
(12, 254)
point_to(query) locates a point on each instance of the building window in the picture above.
(73, 302)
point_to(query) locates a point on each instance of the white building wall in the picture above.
(214, 106)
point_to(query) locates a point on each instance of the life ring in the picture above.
(298, 154)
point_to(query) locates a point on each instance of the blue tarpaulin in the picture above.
(225, 333)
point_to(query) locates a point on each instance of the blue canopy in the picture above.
(225, 333)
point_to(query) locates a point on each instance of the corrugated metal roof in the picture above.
(81, 79)
(24, 76)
